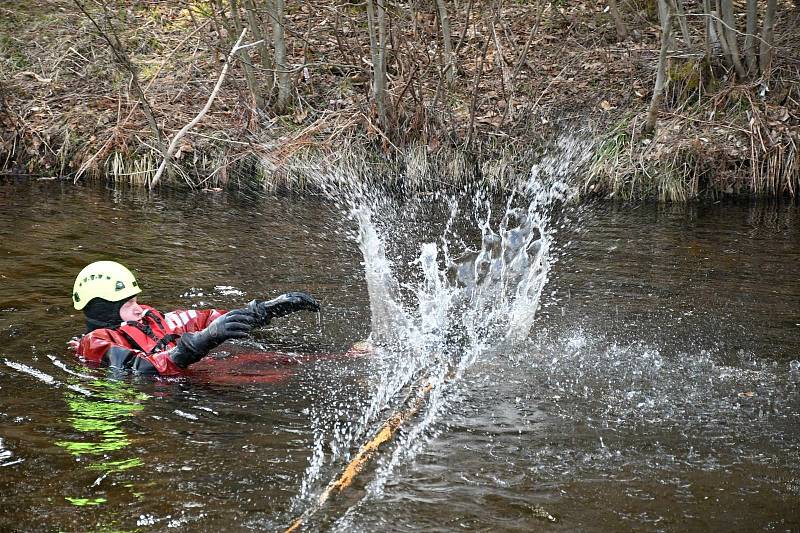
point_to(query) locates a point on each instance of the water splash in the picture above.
(45, 378)
(443, 296)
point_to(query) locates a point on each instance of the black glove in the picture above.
(192, 347)
(283, 305)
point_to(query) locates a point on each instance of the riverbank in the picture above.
(523, 75)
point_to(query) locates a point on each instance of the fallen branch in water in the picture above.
(366, 452)
(178, 136)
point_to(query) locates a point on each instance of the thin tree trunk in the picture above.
(381, 88)
(622, 31)
(284, 81)
(767, 37)
(687, 38)
(661, 72)
(261, 33)
(729, 34)
(720, 30)
(711, 40)
(449, 59)
(505, 76)
(663, 9)
(373, 35)
(250, 76)
(750, 39)
(376, 23)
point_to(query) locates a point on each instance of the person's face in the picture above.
(131, 311)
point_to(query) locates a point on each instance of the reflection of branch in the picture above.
(178, 136)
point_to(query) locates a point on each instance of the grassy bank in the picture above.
(523, 74)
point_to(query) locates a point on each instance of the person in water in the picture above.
(125, 334)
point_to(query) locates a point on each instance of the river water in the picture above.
(657, 389)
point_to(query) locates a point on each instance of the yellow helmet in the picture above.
(103, 279)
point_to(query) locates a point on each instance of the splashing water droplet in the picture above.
(442, 295)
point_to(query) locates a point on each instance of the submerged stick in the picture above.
(366, 452)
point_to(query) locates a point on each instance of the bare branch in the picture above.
(178, 136)
(749, 40)
(124, 61)
(767, 37)
(661, 73)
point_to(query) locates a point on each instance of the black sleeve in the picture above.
(120, 358)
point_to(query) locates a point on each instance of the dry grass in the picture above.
(715, 139)
(66, 109)
(677, 165)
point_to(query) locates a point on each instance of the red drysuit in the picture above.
(144, 346)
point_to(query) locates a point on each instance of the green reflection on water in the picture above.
(117, 466)
(83, 502)
(102, 413)
(100, 417)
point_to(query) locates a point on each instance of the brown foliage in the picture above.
(65, 106)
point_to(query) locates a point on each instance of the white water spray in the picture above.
(470, 293)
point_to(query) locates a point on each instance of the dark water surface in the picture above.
(656, 392)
